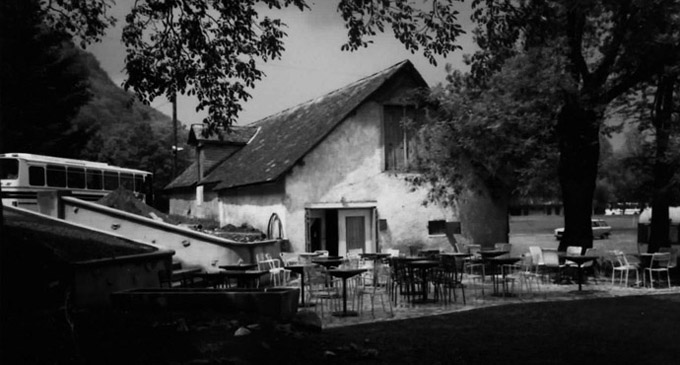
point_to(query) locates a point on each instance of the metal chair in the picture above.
(551, 263)
(659, 264)
(621, 265)
(377, 286)
(448, 278)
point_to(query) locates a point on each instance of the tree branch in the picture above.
(626, 82)
(575, 26)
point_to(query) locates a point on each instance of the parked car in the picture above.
(600, 229)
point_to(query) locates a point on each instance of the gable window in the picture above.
(399, 146)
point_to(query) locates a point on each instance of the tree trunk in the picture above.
(663, 173)
(484, 217)
(579, 145)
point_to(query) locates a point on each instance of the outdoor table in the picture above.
(491, 253)
(328, 262)
(488, 254)
(241, 266)
(300, 269)
(499, 262)
(308, 256)
(244, 278)
(423, 266)
(345, 274)
(579, 261)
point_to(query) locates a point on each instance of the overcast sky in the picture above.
(311, 66)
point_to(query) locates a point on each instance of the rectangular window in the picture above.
(76, 177)
(110, 180)
(94, 179)
(139, 183)
(9, 169)
(127, 181)
(36, 175)
(399, 145)
(56, 176)
(437, 227)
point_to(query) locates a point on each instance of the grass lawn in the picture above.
(537, 230)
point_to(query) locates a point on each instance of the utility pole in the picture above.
(175, 147)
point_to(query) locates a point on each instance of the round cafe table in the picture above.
(579, 260)
(497, 262)
(300, 269)
(241, 266)
(423, 266)
(345, 274)
(328, 262)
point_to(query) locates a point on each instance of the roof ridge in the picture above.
(286, 137)
(364, 79)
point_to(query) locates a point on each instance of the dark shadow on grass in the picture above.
(624, 330)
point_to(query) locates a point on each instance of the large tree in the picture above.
(609, 47)
(485, 143)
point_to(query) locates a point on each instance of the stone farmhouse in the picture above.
(327, 174)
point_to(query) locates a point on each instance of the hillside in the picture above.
(126, 132)
(111, 106)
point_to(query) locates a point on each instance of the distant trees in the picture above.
(43, 84)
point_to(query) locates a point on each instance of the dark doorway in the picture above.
(315, 234)
(332, 231)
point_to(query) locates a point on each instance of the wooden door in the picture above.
(355, 232)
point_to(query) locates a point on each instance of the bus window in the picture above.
(76, 177)
(110, 180)
(139, 183)
(127, 182)
(9, 169)
(94, 179)
(56, 176)
(36, 175)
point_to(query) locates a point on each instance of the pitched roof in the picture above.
(187, 178)
(286, 137)
(236, 135)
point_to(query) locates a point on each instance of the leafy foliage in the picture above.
(85, 20)
(501, 133)
(202, 48)
(435, 30)
(652, 149)
(210, 48)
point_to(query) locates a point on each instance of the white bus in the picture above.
(23, 175)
